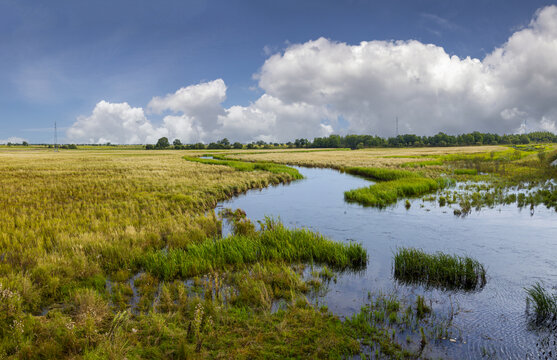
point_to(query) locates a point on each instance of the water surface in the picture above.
(516, 247)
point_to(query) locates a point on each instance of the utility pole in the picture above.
(55, 137)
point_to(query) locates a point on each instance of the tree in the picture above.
(162, 143)
(238, 145)
(149, 147)
(177, 142)
(25, 143)
(224, 142)
(301, 143)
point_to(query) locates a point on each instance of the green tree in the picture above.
(238, 145)
(162, 143)
(177, 142)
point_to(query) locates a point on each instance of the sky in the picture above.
(133, 71)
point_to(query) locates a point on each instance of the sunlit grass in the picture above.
(381, 174)
(384, 193)
(274, 242)
(439, 269)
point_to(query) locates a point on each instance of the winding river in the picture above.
(516, 247)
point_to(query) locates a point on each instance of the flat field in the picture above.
(380, 157)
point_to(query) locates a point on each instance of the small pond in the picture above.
(516, 247)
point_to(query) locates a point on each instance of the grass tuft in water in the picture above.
(544, 304)
(439, 269)
(385, 193)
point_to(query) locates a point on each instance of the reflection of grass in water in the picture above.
(439, 269)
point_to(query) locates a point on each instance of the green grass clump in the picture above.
(273, 243)
(385, 193)
(249, 166)
(545, 304)
(466, 172)
(416, 164)
(381, 174)
(440, 270)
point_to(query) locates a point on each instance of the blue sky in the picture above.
(59, 59)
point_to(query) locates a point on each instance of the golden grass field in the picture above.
(379, 157)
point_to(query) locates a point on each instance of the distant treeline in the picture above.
(349, 141)
(440, 139)
(370, 141)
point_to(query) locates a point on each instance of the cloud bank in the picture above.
(322, 87)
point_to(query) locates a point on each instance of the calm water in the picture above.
(517, 248)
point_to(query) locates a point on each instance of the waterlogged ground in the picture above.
(516, 247)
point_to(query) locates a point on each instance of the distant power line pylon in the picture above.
(55, 137)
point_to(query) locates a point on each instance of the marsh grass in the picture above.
(438, 270)
(389, 192)
(465, 172)
(395, 327)
(381, 174)
(544, 305)
(274, 242)
(76, 228)
(248, 166)
(421, 164)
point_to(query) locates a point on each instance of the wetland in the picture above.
(124, 254)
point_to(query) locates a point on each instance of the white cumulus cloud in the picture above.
(322, 86)
(371, 83)
(118, 123)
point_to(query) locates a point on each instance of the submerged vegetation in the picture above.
(439, 269)
(393, 327)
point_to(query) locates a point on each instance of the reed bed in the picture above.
(438, 270)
